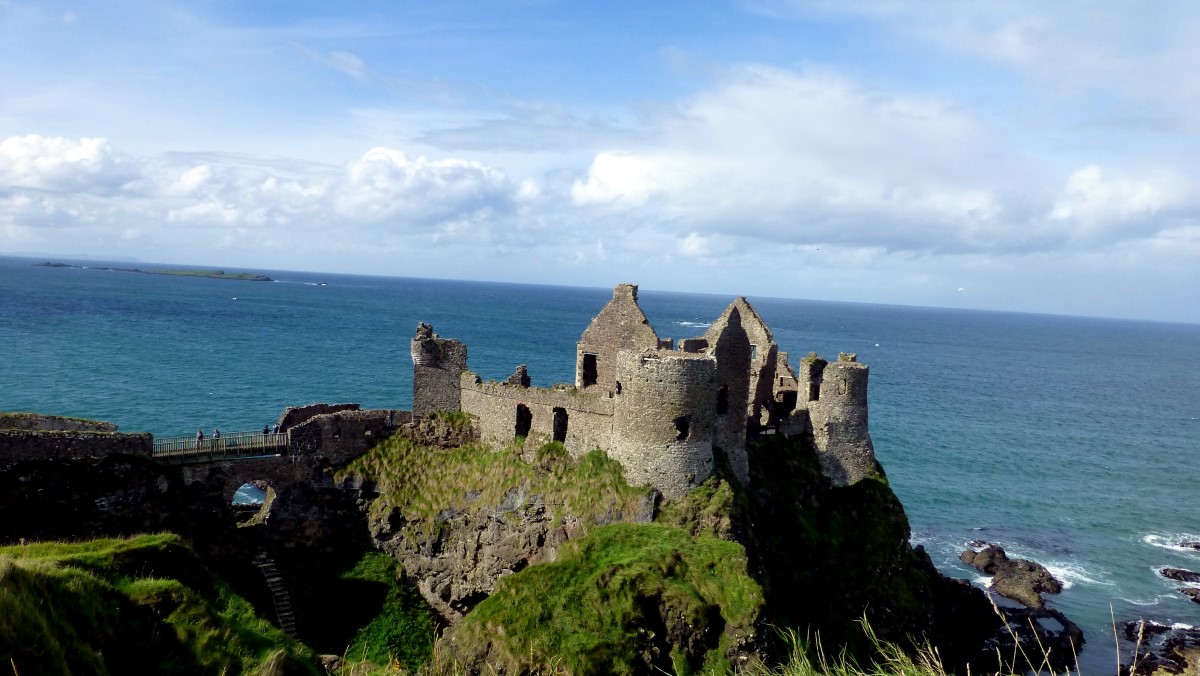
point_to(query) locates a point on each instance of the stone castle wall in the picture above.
(620, 325)
(339, 437)
(437, 365)
(21, 445)
(589, 419)
(39, 421)
(664, 417)
(731, 348)
(294, 415)
(660, 412)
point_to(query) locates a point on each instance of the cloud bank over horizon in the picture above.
(1017, 156)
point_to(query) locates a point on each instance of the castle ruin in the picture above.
(662, 409)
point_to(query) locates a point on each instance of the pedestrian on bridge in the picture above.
(266, 430)
(199, 437)
(216, 433)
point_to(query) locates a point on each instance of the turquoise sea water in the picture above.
(1072, 441)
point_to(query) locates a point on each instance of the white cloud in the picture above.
(1093, 202)
(1137, 58)
(87, 186)
(62, 165)
(813, 157)
(386, 184)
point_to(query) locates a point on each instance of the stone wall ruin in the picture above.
(661, 412)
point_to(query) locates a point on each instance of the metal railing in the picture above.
(234, 444)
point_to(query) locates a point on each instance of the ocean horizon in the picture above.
(1068, 440)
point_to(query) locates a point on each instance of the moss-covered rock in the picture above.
(627, 598)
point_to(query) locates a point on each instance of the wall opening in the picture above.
(723, 400)
(560, 424)
(590, 373)
(753, 351)
(681, 426)
(524, 421)
(252, 502)
(814, 391)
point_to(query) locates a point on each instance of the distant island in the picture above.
(210, 274)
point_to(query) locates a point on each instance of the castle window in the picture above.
(843, 387)
(681, 426)
(753, 351)
(560, 424)
(618, 387)
(589, 370)
(524, 421)
(723, 400)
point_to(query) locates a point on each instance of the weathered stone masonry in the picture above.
(659, 411)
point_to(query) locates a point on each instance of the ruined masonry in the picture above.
(658, 409)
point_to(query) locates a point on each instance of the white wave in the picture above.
(983, 581)
(696, 324)
(1070, 573)
(1171, 541)
(1181, 625)
(1152, 602)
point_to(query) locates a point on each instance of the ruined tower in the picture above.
(663, 418)
(437, 364)
(839, 419)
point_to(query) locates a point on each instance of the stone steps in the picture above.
(284, 613)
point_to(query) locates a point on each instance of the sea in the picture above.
(1072, 441)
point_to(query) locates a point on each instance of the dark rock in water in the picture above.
(1146, 629)
(1162, 649)
(1179, 574)
(1021, 580)
(1192, 593)
(1191, 545)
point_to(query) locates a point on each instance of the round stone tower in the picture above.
(663, 418)
(839, 420)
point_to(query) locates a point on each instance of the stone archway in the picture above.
(252, 501)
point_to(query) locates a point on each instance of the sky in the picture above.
(994, 154)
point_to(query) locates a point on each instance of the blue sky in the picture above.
(1017, 155)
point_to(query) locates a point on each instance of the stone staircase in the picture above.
(279, 594)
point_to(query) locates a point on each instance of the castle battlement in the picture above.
(659, 411)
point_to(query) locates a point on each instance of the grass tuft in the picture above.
(113, 606)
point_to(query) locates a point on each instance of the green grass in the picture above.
(403, 631)
(423, 482)
(138, 605)
(615, 596)
(456, 419)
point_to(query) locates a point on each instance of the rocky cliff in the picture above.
(482, 534)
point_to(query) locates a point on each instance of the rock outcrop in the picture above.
(1159, 649)
(1021, 580)
(1179, 574)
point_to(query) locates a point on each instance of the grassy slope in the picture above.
(423, 482)
(623, 591)
(139, 605)
(403, 630)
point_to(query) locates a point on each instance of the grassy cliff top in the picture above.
(424, 481)
(137, 605)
